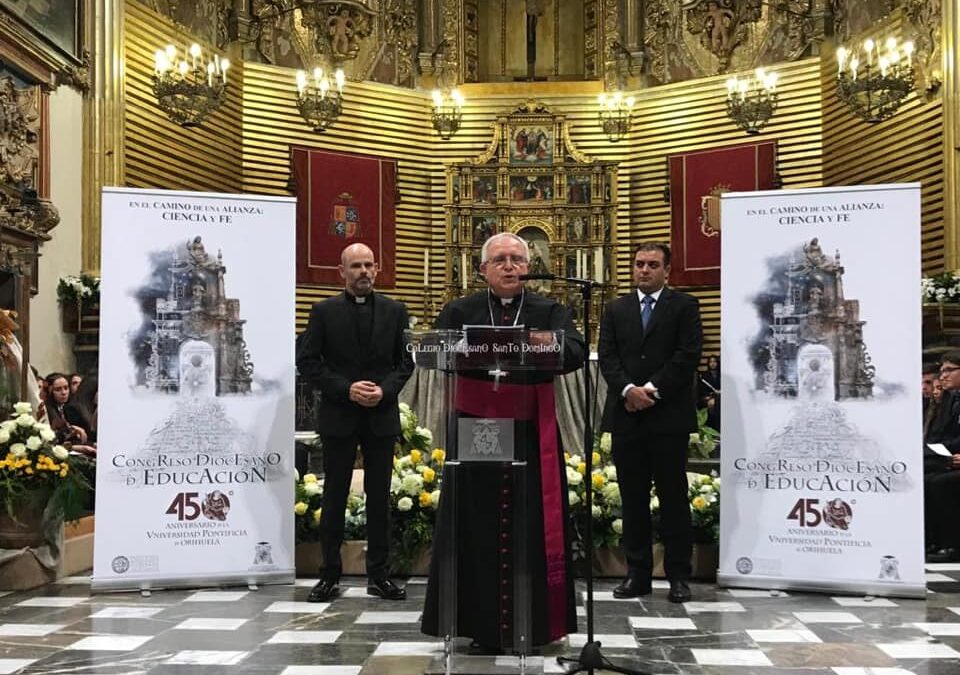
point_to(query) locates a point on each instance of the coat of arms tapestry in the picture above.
(342, 199)
(697, 179)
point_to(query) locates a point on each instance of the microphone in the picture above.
(537, 277)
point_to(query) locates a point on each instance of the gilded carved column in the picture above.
(950, 41)
(102, 120)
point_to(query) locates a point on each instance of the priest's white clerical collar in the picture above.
(357, 299)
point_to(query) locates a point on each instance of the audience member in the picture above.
(75, 380)
(708, 391)
(58, 394)
(941, 474)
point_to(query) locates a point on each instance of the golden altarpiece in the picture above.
(532, 181)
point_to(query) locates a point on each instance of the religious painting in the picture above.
(531, 188)
(578, 189)
(455, 189)
(540, 262)
(342, 199)
(531, 145)
(56, 22)
(484, 227)
(577, 229)
(485, 189)
(697, 179)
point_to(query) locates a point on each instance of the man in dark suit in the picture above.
(649, 348)
(354, 352)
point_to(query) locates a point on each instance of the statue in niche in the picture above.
(717, 27)
(340, 28)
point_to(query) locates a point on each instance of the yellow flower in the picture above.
(566, 456)
(438, 455)
(424, 499)
(699, 503)
(316, 515)
(582, 468)
(596, 459)
(300, 508)
(309, 478)
(598, 480)
(415, 456)
(428, 475)
(29, 470)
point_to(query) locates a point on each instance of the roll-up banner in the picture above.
(821, 418)
(195, 439)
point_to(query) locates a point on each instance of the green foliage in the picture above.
(704, 441)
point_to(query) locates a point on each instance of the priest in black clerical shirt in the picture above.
(485, 527)
(354, 352)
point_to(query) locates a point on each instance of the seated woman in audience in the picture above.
(58, 394)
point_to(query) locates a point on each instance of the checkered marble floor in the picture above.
(61, 628)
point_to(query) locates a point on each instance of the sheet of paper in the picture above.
(940, 449)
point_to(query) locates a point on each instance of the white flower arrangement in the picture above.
(941, 288)
(73, 288)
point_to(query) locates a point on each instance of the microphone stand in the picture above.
(591, 658)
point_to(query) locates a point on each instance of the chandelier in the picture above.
(614, 114)
(447, 112)
(317, 102)
(872, 83)
(189, 88)
(752, 102)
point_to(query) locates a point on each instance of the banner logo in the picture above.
(346, 217)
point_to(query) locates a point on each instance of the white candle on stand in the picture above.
(579, 263)
(598, 264)
(426, 267)
(463, 269)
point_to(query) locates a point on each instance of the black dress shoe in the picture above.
(386, 589)
(946, 555)
(325, 590)
(479, 649)
(679, 592)
(632, 587)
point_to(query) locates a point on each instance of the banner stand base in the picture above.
(251, 581)
(836, 586)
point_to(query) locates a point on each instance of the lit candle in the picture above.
(426, 267)
(908, 50)
(841, 59)
(224, 64)
(868, 48)
(463, 269)
(210, 74)
(194, 54)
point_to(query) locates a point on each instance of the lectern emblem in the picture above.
(486, 438)
(889, 568)
(262, 555)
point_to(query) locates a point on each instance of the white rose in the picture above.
(394, 484)
(716, 484)
(60, 452)
(435, 498)
(426, 434)
(311, 488)
(573, 498)
(8, 425)
(611, 494)
(706, 489)
(18, 449)
(404, 408)
(34, 443)
(617, 526)
(404, 504)
(412, 484)
(606, 442)
(25, 421)
(654, 503)
(23, 408)
(596, 511)
(610, 472)
(694, 439)
(573, 476)
(4, 436)
(46, 433)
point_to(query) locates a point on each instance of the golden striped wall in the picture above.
(245, 146)
(160, 154)
(908, 147)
